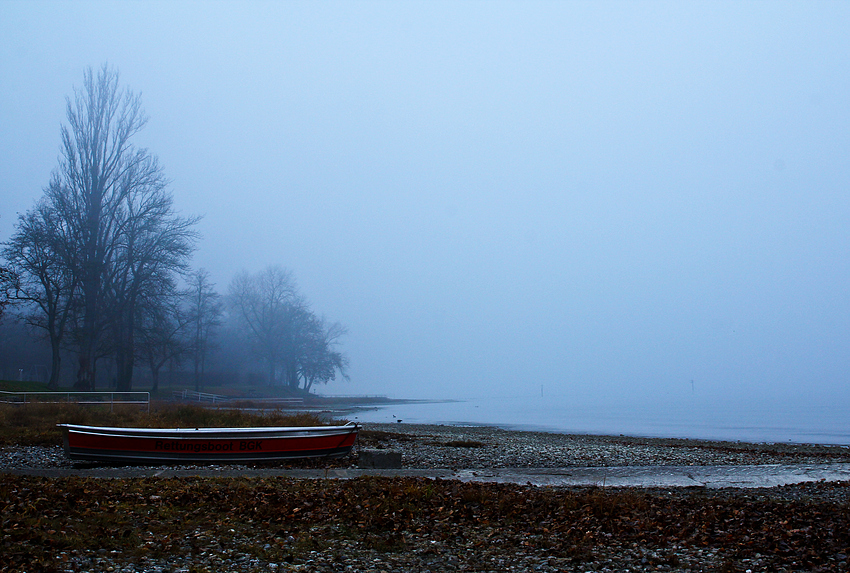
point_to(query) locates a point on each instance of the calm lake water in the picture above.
(796, 421)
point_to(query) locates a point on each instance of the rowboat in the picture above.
(206, 445)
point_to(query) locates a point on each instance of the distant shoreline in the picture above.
(800, 423)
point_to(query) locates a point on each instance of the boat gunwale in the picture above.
(212, 433)
(206, 445)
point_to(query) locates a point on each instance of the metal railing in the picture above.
(192, 396)
(354, 396)
(82, 398)
(272, 400)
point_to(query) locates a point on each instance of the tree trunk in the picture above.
(155, 378)
(55, 363)
(85, 376)
(93, 370)
(124, 375)
(291, 374)
(91, 283)
(203, 369)
(81, 384)
(125, 351)
(271, 373)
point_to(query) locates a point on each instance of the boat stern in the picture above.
(65, 443)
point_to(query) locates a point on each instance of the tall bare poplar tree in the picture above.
(98, 167)
(119, 229)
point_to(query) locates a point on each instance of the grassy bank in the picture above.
(14, 386)
(35, 424)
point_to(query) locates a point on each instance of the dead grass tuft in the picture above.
(35, 424)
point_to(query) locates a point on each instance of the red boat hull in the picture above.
(206, 445)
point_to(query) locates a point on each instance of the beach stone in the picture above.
(380, 459)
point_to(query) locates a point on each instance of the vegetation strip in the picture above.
(35, 424)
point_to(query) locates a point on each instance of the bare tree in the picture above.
(42, 257)
(295, 345)
(149, 247)
(8, 280)
(162, 333)
(98, 166)
(9, 284)
(204, 316)
(265, 303)
(321, 360)
(118, 226)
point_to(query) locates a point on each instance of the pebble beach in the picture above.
(482, 447)
(471, 529)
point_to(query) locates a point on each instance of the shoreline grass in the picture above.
(34, 424)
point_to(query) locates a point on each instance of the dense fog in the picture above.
(594, 200)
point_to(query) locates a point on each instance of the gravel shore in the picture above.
(453, 526)
(477, 447)
(424, 446)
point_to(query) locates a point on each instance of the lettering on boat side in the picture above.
(244, 445)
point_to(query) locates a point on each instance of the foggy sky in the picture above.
(605, 198)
